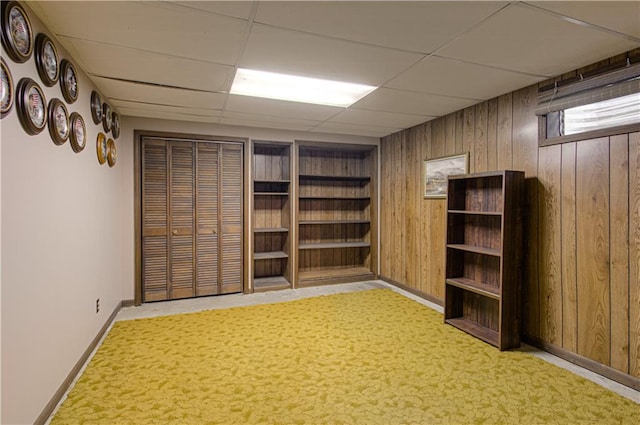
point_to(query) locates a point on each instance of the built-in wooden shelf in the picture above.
(313, 222)
(345, 198)
(271, 230)
(474, 286)
(471, 212)
(330, 245)
(271, 283)
(271, 193)
(476, 249)
(271, 255)
(271, 181)
(333, 177)
(334, 275)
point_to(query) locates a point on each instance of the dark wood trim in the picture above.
(137, 215)
(57, 396)
(592, 365)
(420, 294)
(128, 303)
(595, 134)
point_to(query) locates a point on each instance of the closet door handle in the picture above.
(175, 232)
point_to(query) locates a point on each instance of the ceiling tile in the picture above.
(620, 16)
(153, 26)
(413, 26)
(125, 104)
(146, 113)
(236, 8)
(378, 119)
(123, 90)
(358, 130)
(280, 108)
(455, 78)
(411, 102)
(107, 60)
(525, 39)
(291, 52)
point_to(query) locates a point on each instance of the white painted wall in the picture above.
(61, 239)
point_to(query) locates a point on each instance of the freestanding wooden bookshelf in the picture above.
(484, 251)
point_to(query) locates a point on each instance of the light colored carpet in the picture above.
(369, 357)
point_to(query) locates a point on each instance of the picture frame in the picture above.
(58, 121)
(7, 90)
(106, 117)
(115, 125)
(96, 107)
(31, 104)
(17, 33)
(47, 62)
(101, 148)
(68, 81)
(112, 153)
(436, 171)
(78, 135)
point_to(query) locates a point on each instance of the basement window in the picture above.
(601, 106)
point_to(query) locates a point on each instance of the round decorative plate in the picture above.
(106, 117)
(17, 36)
(112, 154)
(47, 60)
(58, 120)
(7, 95)
(68, 81)
(101, 147)
(96, 107)
(115, 125)
(32, 106)
(78, 136)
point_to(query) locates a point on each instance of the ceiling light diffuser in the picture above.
(270, 85)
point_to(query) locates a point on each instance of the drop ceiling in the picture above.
(177, 60)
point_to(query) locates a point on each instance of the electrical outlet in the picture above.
(97, 305)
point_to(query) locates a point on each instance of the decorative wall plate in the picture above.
(115, 125)
(17, 36)
(96, 107)
(31, 105)
(101, 147)
(68, 81)
(112, 154)
(78, 136)
(7, 93)
(47, 60)
(106, 117)
(58, 120)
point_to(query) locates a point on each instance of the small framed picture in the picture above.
(47, 60)
(31, 105)
(58, 121)
(106, 117)
(96, 107)
(436, 171)
(101, 148)
(7, 94)
(78, 136)
(68, 81)
(112, 154)
(17, 35)
(115, 125)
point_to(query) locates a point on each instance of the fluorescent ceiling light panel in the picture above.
(293, 88)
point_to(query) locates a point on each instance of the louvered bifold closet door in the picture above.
(154, 220)
(207, 200)
(231, 226)
(181, 213)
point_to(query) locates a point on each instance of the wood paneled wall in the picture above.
(581, 284)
